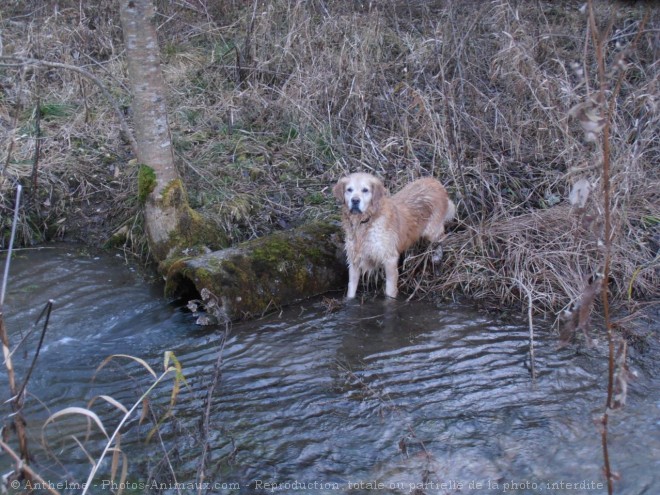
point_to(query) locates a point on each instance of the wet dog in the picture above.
(379, 227)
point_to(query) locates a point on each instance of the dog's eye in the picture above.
(349, 189)
(365, 190)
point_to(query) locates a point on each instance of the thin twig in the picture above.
(27, 469)
(206, 420)
(5, 277)
(37, 145)
(165, 452)
(47, 310)
(19, 421)
(598, 40)
(530, 308)
(111, 441)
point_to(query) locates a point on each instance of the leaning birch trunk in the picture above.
(168, 220)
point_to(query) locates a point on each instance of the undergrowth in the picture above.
(270, 104)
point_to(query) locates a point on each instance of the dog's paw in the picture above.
(436, 257)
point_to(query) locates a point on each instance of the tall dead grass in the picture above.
(271, 103)
(480, 95)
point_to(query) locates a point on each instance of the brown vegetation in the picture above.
(270, 104)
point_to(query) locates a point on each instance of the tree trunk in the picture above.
(168, 220)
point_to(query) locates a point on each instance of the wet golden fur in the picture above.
(379, 227)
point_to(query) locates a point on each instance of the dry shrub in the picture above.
(551, 252)
(83, 190)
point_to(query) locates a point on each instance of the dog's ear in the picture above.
(338, 190)
(379, 192)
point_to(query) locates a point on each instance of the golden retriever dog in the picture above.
(379, 227)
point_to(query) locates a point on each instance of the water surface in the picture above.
(387, 397)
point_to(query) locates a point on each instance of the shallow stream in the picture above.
(370, 398)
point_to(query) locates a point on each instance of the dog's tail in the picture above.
(451, 211)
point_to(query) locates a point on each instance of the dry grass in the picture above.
(270, 104)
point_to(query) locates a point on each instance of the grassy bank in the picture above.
(270, 103)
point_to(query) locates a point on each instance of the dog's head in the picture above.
(359, 192)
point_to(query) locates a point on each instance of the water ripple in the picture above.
(375, 391)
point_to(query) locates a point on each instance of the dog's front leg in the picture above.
(391, 277)
(353, 279)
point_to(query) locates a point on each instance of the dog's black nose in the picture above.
(355, 201)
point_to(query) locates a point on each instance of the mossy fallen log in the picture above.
(263, 274)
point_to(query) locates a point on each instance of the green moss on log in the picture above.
(266, 273)
(146, 182)
(194, 235)
(174, 194)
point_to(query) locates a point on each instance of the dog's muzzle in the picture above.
(355, 205)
